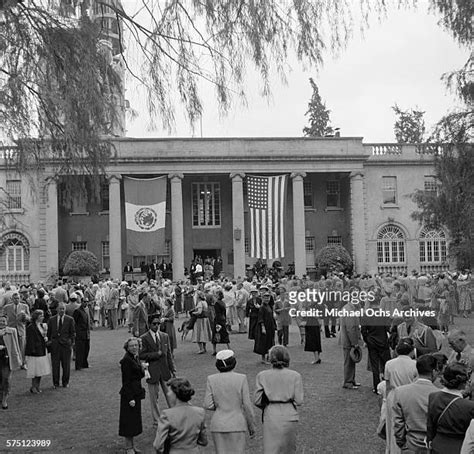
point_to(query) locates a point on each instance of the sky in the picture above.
(399, 60)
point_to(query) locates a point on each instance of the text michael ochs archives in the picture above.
(324, 298)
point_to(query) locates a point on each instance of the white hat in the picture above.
(123, 283)
(73, 296)
(224, 355)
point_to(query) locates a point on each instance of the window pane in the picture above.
(443, 251)
(14, 193)
(422, 251)
(332, 193)
(389, 190)
(308, 194)
(206, 204)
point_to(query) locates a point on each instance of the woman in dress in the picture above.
(278, 393)
(37, 360)
(251, 311)
(181, 428)
(10, 358)
(227, 395)
(449, 414)
(131, 394)
(202, 328)
(167, 322)
(219, 328)
(265, 330)
(313, 334)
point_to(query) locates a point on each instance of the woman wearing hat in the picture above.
(449, 414)
(251, 311)
(219, 328)
(227, 394)
(265, 330)
(168, 323)
(202, 328)
(278, 393)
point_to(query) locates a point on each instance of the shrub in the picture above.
(81, 263)
(333, 258)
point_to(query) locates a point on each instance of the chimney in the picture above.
(337, 132)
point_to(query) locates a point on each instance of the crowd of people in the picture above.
(403, 351)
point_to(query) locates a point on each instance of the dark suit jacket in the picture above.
(66, 336)
(159, 357)
(81, 320)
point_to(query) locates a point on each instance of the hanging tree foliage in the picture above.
(58, 93)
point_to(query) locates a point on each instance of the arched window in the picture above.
(14, 253)
(432, 246)
(390, 245)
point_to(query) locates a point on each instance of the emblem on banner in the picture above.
(146, 218)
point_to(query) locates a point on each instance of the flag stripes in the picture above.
(266, 197)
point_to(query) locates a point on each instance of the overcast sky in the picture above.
(400, 60)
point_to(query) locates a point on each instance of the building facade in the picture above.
(340, 191)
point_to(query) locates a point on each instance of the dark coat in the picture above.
(81, 319)
(264, 342)
(251, 311)
(159, 357)
(130, 420)
(35, 343)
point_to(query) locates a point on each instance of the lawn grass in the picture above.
(84, 417)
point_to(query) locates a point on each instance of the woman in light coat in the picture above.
(278, 393)
(227, 394)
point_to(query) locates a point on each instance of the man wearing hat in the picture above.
(349, 339)
(241, 296)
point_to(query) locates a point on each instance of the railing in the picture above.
(434, 268)
(392, 269)
(414, 150)
(15, 278)
(382, 149)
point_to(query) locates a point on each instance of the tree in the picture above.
(319, 122)
(409, 126)
(81, 263)
(334, 258)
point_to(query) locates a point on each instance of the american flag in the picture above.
(266, 196)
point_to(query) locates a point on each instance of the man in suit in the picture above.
(83, 335)
(410, 408)
(111, 305)
(128, 268)
(61, 335)
(18, 315)
(349, 338)
(157, 352)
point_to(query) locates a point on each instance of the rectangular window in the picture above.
(334, 240)
(105, 255)
(247, 246)
(79, 245)
(333, 194)
(308, 194)
(206, 202)
(309, 244)
(14, 194)
(430, 184)
(389, 190)
(104, 196)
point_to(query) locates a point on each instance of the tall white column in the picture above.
(115, 227)
(238, 225)
(52, 238)
(177, 233)
(299, 224)
(358, 222)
